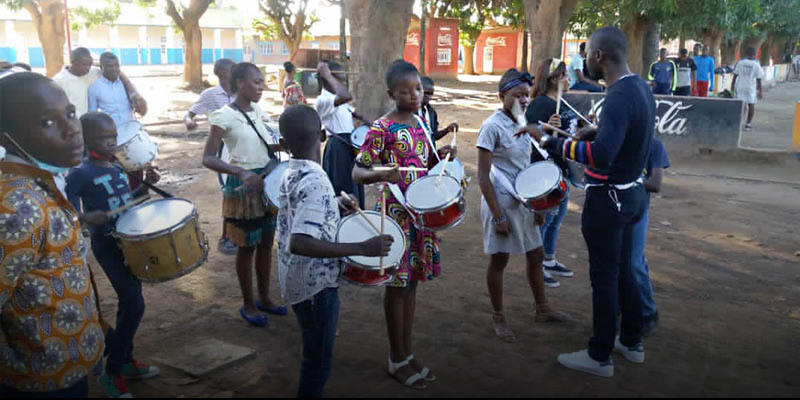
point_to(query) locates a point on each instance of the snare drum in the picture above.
(135, 150)
(161, 239)
(272, 187)
(577, 176)
(358, 137)
(541, 185)
(363, 270)
(436, 207)
(455, 168)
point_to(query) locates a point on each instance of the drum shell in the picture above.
(441, 218)
(367, 277)
(550, 200)
(165, 255)
(137, 153)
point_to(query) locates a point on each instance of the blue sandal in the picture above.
(259, 321)
(279, 310)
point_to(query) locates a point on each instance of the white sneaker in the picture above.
(580, 361)
(633, 354)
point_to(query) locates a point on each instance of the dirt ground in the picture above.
(721, 247)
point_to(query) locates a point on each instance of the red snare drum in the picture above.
(541, 185)
(436, 206)
(365, 271)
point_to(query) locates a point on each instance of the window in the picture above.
(444, 57)
(333, 45)
(284, 49)
(265, 48)
(314, 45)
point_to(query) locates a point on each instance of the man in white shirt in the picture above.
(746, 83)
(577, 79)
(337, 119)
(76, 78)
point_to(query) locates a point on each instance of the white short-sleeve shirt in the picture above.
(246, 149)
(747, 71)
(308, 206)
(77, 87)
(334, 119)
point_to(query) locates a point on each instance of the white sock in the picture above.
(551, 263)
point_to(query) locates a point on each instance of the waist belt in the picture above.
(625, 186)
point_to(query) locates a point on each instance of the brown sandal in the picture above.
(546, 314)
(501, 328)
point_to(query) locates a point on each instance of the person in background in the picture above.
(747, 78)
(657, 162)
(212, 99)
(577, 79)
(663, 74)
(429, 114)
(687, 74)
(292, 91)
(705, 72)
(76, 78)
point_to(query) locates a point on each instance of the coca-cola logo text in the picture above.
(412, 39)
(667, 123)
(445, 40)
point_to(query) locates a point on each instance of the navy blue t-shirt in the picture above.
(619, 152)
(98, 189)
(658, 157)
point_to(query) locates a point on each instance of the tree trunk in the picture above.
(765, 56)
(752, 41)
(524, 50)
(343, 32)
(635, 31)
(777, 50)
(681, 43)
(193, 67)
(651, 46)
(49, 23)
(378, 34)
(469, 60)
(730, 50)
(713, 38)
(546, 21)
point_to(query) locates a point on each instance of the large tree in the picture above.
(49, 19)
(378, 31)
(547, 20)
(287, 20)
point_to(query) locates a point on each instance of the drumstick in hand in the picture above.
(383, 219)
(361, 213)
(444, 167)
(401, 169)
(120, 210)
(565, 133)
(558, 102)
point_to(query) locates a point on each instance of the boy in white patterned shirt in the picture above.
(308, 255)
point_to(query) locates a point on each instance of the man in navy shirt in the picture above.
(615, 155)
(663, 74)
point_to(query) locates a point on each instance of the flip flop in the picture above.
(260, 320)
(279, 310)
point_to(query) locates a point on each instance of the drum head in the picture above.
(538, 179)
(359, 136)
(354, 229)
(154, 217)
(272, 182)
(426, 195)
(128, 131)
(455, 168)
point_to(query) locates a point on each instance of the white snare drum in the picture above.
(272, 186)
(359, 136)
(161, 239)
(135, 149)
(436, 207)
(541, 185)
(363, 270)
(455, 168)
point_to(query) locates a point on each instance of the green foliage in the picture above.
(592, 14)
(474, 15)
(15, 5)
(85, 18)
(282, 22)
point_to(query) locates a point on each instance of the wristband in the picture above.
(499, 221)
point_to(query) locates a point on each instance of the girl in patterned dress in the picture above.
(292, 91)
(399, 139)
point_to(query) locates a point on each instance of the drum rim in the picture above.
(362, 127)
(389, 279)
(550, 190)
(148, 236)
(438, 208)
(347, 260)
(285, 166)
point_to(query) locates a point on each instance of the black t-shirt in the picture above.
(540, 109)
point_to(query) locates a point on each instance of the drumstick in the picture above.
(565, 133)
(383, 219)
(401, 169)
(244, 185)
(361, 213)
(120, 210)
(444, 167)
(558, 102)
(455, 135)
(579, 114)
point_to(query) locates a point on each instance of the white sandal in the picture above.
(411, 381)
(425, 371)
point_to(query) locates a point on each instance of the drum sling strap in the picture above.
(273, 159)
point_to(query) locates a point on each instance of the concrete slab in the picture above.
(201, 359)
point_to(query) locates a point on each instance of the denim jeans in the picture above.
(130, 309)
(551, 226)
(639, 263)
(317, 318)
(79, 390)
(609, 216)
(586, 86)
